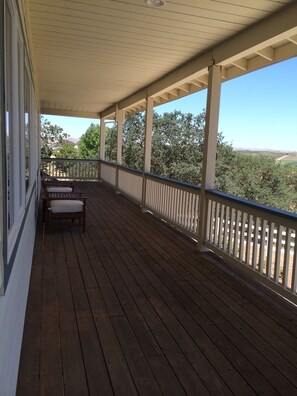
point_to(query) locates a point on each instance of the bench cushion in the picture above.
(66, 206)
(58, 189)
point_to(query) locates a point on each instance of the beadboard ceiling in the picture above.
(90, 54)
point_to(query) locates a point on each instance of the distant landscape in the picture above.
(286, 158)
(267, 176)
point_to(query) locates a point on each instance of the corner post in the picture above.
(210, 148)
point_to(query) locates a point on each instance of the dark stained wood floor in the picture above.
(131, 308)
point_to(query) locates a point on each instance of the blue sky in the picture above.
(258, 110)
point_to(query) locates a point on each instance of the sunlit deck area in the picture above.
(131, 307)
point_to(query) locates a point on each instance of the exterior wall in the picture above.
(13, 306)
(17, 230)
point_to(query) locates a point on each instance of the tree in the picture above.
(111, 144)
(67, 150)
(89, 142)
(178, 145)
(177, 153)
(260, 179)
(52, 137)
(133, 141)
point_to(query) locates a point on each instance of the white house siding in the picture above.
(13, 306)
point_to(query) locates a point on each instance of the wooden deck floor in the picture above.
(131, 308)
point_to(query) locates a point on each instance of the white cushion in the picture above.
(66, 206)
(58, 189)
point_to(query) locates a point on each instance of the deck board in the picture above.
(130, 307)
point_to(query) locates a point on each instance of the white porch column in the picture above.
(102, 140)
(120, 124)
(148, 134)
(147, 144)
(210, 146)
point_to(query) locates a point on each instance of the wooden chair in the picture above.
(66, 206)
(52, 185)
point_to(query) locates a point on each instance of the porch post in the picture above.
(148, 134)
(120, 124)
(147, 144)
(102, 139)
(210, 147)
(102, 145)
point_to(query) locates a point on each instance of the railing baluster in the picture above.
(236, 233)
(255, 244)
(249, 240)
(226, 228)
(222, 214)
(277, 264)
(287, 257)
(208, 221)
(242, 236)
(270, 249)
(230, 241)
(262, 245)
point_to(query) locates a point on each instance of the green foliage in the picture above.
(111, 144)
(67, 150)
(88, 146)
(260, 179)
(52, 137)
(177, 153)
(133, 141)
(177, 145)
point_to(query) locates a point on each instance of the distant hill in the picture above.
(286, 158)
(73, 140)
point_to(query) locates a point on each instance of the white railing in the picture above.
(108, 173)
(257, 239)
(254, 236)
(71, 169)
(130, 183)
(174, 201)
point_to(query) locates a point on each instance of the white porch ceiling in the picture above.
(90, 54)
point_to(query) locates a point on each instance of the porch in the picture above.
(131, 307)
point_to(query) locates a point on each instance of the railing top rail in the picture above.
(164, 179)
(113, 164)
(69, 159)
(131, 170)
(254, 205)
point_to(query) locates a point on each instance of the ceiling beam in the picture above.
(267, 53)
(241, 64)
(293, 39)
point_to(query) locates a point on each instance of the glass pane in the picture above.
(8, 104)
(27, 128)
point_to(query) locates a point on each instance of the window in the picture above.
(21, 137)
(8, 117)
(27, 126)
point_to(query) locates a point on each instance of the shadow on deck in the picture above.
(130, 307)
